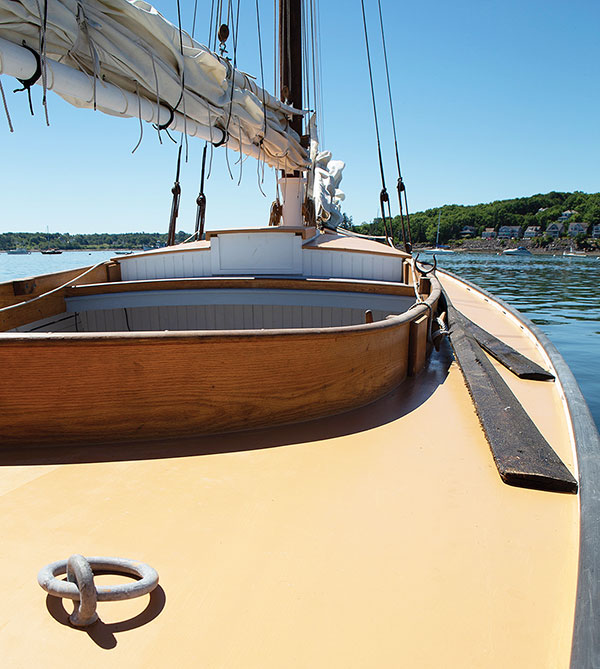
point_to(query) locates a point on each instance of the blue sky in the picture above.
(493, 100)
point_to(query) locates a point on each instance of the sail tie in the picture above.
(137, 92)
(82, 23)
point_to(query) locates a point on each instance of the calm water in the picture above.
(560, 295)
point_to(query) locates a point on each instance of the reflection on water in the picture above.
(559, 294)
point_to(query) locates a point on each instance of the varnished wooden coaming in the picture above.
(349, 285)
(178, 383)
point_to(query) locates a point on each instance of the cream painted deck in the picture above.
(381, 538)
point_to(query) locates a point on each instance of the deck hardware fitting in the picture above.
(80, 586)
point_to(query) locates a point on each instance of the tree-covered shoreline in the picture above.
(40, 241)
(539, 210)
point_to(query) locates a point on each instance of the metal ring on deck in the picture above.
(81, 570)
(80, 573)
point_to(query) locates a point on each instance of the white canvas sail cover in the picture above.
(127, 43)
(324, 178)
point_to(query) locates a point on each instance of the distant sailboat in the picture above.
(437, 250)
(571, 253)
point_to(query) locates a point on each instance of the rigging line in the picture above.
(389, 88)
(210, 25)
(313, 51)
(400, 185)
(10, 125)
(274, 45)
(201, 200)
(230, 12)
(232, 79)
(194, 19)
(319, 67)
(288, 41)
(176, 190)
(42, 50)
(218, 22)
(44, 63)
(182, 94)
(305, 57)
(262, 71)
(383, 197)
(373, 93)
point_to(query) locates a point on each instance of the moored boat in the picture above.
(519, 251)
(263, 416)
(571, 253)
(437, 251)
(18, 252)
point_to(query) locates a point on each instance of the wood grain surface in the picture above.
(76, 387)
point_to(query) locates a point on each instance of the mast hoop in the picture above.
(28, 83)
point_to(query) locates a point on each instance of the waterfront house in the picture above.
(533, 231)
(554, 229)
(488, 233)
(566, 215)
(509, 232)
(468, 231)
(596, 231)
(577, 229)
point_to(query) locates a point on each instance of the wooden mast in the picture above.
(290, 56)
(290, 81)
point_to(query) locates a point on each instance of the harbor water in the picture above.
(559, 294)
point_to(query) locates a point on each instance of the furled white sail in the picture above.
(324, 178)
(127, 44)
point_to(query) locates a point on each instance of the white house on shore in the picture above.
(488, 233)
(566, 215)
(554, 229)
(509, 232)
(577, 229)
(596, 231)
(533, 231)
